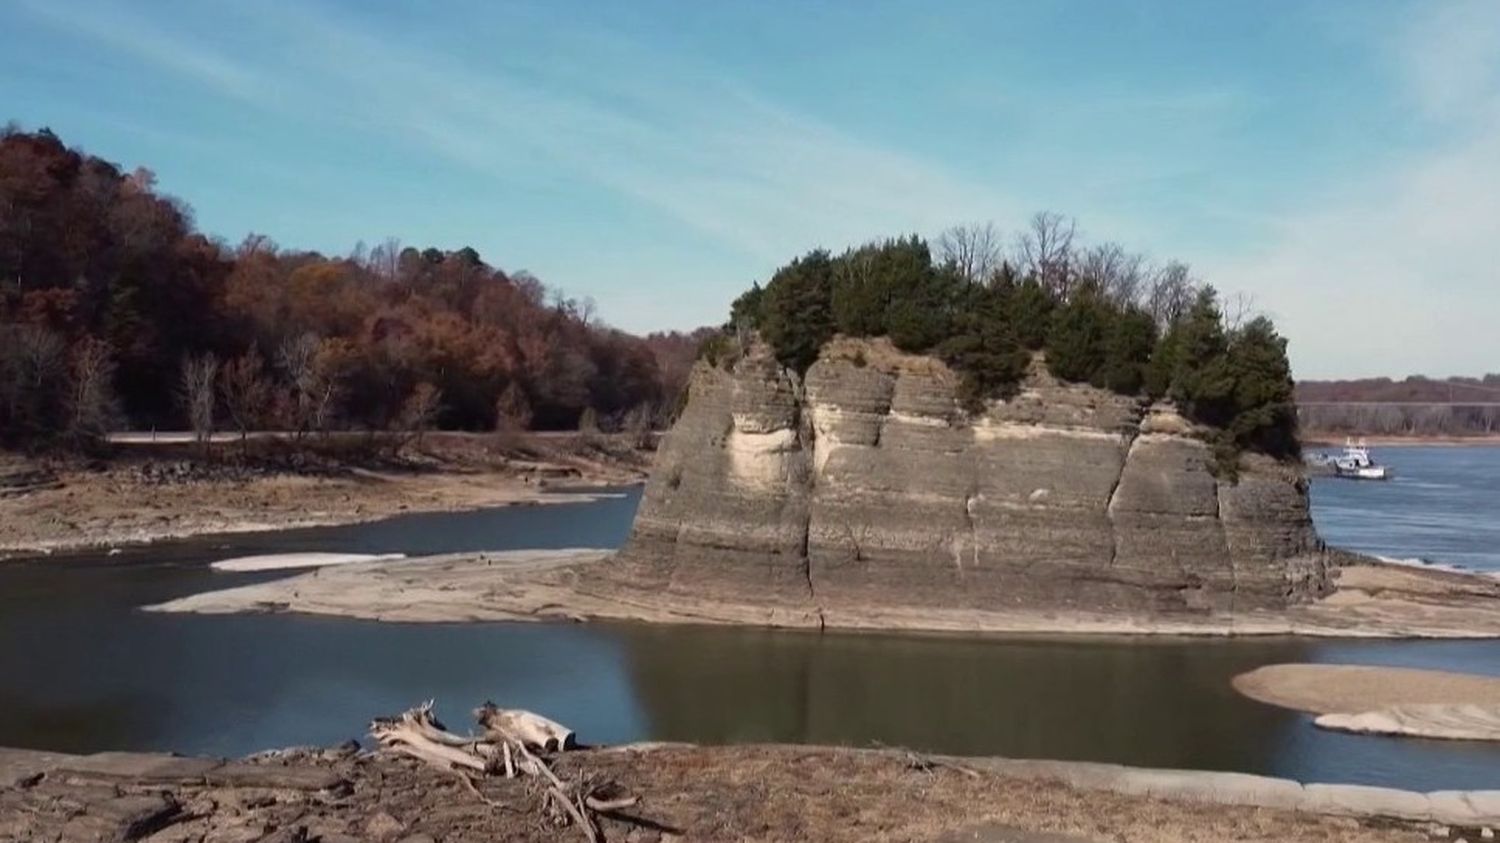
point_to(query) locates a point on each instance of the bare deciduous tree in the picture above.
(1170, 292)
(588, 422)
(245, 391)
(94, 407)
(385, 259)
(199, 376)
(1239, 309)
(1046, 250)
(420, 410)
(315, 380)
(33, 378)
(1119, 274)
(975, 249)
(512, 409)
(637, 426)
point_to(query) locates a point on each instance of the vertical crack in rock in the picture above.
(1234, 575)
(973, 529)
(970, 529)
(1109, 501)
(807, 444)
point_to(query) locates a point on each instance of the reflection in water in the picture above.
(82, 670)
(1163, 703)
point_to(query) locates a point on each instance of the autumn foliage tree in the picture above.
(96, 265)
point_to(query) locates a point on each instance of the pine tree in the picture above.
(1265, 413)
(1076, 340)
(1163, 365)
(1202, 381)
(1127, 351)
(796, 317)
(984, 348)
(1032, 308)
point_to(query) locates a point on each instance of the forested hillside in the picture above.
(115, 311)
(1413, 406)
(1100, 314)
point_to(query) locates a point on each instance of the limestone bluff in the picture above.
(862, 489)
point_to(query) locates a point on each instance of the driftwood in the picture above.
(523, 727)
(509, 746)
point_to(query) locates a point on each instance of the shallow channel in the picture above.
(82, 670)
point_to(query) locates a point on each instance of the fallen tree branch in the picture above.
(510, 744)
(524, 727)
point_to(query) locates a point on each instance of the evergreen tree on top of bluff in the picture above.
(1101, 315)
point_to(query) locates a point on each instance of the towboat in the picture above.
(1355, 463)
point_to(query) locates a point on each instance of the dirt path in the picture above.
(751, 793)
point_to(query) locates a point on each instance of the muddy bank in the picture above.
(1382, 700)
(169, 493)
(1371, 600)
(700, 793)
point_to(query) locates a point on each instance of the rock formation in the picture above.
(864, 485)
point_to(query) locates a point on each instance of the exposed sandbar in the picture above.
(1382, 700)
(283, 561)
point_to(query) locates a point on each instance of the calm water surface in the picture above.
(81, 670)
(1443, 506)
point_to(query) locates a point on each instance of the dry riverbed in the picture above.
(173, 493)
(751, 793)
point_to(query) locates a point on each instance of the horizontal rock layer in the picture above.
(864, 485)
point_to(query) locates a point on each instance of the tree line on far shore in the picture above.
(1413, 406)
(1101, 314)
(115, 311)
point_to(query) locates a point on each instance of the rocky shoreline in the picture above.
(684, 792)
(135, 499)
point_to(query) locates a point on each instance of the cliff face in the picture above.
(864, 485)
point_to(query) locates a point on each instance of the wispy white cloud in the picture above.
(750, 174)
(137, 37)
(1400, 273)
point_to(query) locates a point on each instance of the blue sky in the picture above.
(1338, 162)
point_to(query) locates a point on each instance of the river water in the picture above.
(82, 670)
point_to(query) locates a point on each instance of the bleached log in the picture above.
(426, 723)
(524, 727)
(417, 733)
(403, 740)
